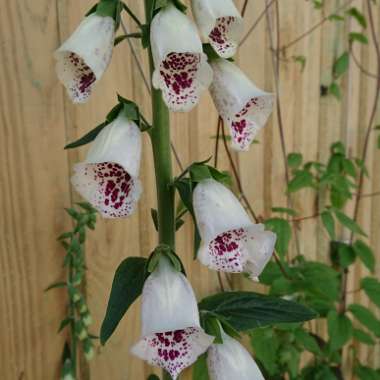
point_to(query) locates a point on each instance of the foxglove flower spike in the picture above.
(243, 107)
(108, 178)
(181, 68)
(230, 241)
(84, 56)
(171, 334)
(220, 24)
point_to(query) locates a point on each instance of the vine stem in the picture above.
(161, 145)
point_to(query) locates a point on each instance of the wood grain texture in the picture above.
(37, 120)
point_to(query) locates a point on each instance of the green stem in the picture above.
(160, 137)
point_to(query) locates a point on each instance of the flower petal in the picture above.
(173, 350)
(220, 23)
(168, 301)
(231, 360)
(241, 250)
(181, 68)
(243, 107)
(83, 58)
(108, 187)
(217, 210)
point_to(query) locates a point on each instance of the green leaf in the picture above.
(153, 377)
(123, 37)
(282, 229)
(358, 16)
(108, 8)
(56, 285)
(349, 223)
(334, 90)
(366, 373)
(200, 369)
(307, 341)
(358, 37)
(294, 160)
(247, 310)
(154, 215)
(301, 179)
(366, 318)
(87, 138)
(347, 255)
(285, 210)
(341, 65)
(266, 353)
(365, 254)
(340, 329)
(371, 287)
(199, 173)
(65, 322)
(212, 327)
(363, 337)
(329, 223)
(126, 287)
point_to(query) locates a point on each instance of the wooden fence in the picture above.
(37, 120)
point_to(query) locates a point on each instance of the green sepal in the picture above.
(110, 8)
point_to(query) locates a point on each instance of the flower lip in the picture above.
(181, 68)
(173, 350)
(85, 55)
(243, 107)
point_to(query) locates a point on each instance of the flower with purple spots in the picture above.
(181, 68)
(230, 241)
(171, 334)
(85, 55)
(230, 360)
(243, 107)
(220, 24)
(108, 178)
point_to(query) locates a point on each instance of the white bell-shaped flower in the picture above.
(171, 334)
(181, 68)
(108, 178)
(230, 360)
(220, 23)
(230, 241)
(243, 107)
(85, 55)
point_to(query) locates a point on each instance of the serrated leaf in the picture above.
(358, 16)
(282, 229)
(247, 310)
(347, 255)
(266, 353)
(294, 160)
(301, 179)
(334, 90)
(285, 210)
(366, 318)
(340, 329)
(307, 341)
(349, 223)
(329, 223)
(127, 286)
(358, 37)
(371, 287)
(341, 64)
(363, 337)
(365, 254)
